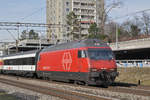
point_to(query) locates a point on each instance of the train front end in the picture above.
(102, 66)
(1, 65)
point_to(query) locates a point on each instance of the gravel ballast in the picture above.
(23, 94)
(97, 92)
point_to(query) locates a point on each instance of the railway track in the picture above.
(141, 91)
(68, 95)
(134, 91)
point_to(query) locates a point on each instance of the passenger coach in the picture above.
(19, 64)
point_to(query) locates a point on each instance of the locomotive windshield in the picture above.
(100, 54)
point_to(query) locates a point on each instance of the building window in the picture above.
(67, 3)
(68, 28)
(67, 9)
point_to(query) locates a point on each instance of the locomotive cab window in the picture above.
(82, 54)
(100, 54)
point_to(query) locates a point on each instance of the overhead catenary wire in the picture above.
(130, 14)
(17, 24)
(31, 14)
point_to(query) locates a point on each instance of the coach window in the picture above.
(81, 54)
(29, 61)
(20, 61)
(6, 62)
(14, 62)
(33, 60)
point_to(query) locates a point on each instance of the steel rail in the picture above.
(64, 94)
(118, 87)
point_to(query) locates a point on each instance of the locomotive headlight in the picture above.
(93, 69)
(114, 69)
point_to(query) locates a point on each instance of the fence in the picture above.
(133, 63)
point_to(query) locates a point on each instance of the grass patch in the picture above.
(132, 75)
(5, 96)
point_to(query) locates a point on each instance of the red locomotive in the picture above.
(87, 61)
(1, 64)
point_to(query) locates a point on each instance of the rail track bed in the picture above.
(79, 92)
(68, 95)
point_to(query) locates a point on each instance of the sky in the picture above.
(32, 11)
(35, 11)
(16, 10)
(129, 6)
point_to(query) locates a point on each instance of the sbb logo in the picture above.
(67, 61)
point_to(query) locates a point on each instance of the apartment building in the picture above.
(57, 10)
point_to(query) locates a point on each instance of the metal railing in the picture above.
(132, 41)
(133, 63)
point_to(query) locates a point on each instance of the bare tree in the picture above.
(104, 8)
(110, 30)
(126, 25)
(146, 23)
(132, 28)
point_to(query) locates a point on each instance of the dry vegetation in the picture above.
(132, 75)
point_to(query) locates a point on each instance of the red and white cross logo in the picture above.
(67, 61)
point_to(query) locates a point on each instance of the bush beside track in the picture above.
(133, 75)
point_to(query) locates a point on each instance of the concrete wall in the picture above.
(133, 44)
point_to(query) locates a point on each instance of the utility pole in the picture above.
(7, 29)
(17, 41)
(80, 23)
(80, 29)
(18, 31)
(116, 36)
(40, 41)
(101, 14)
